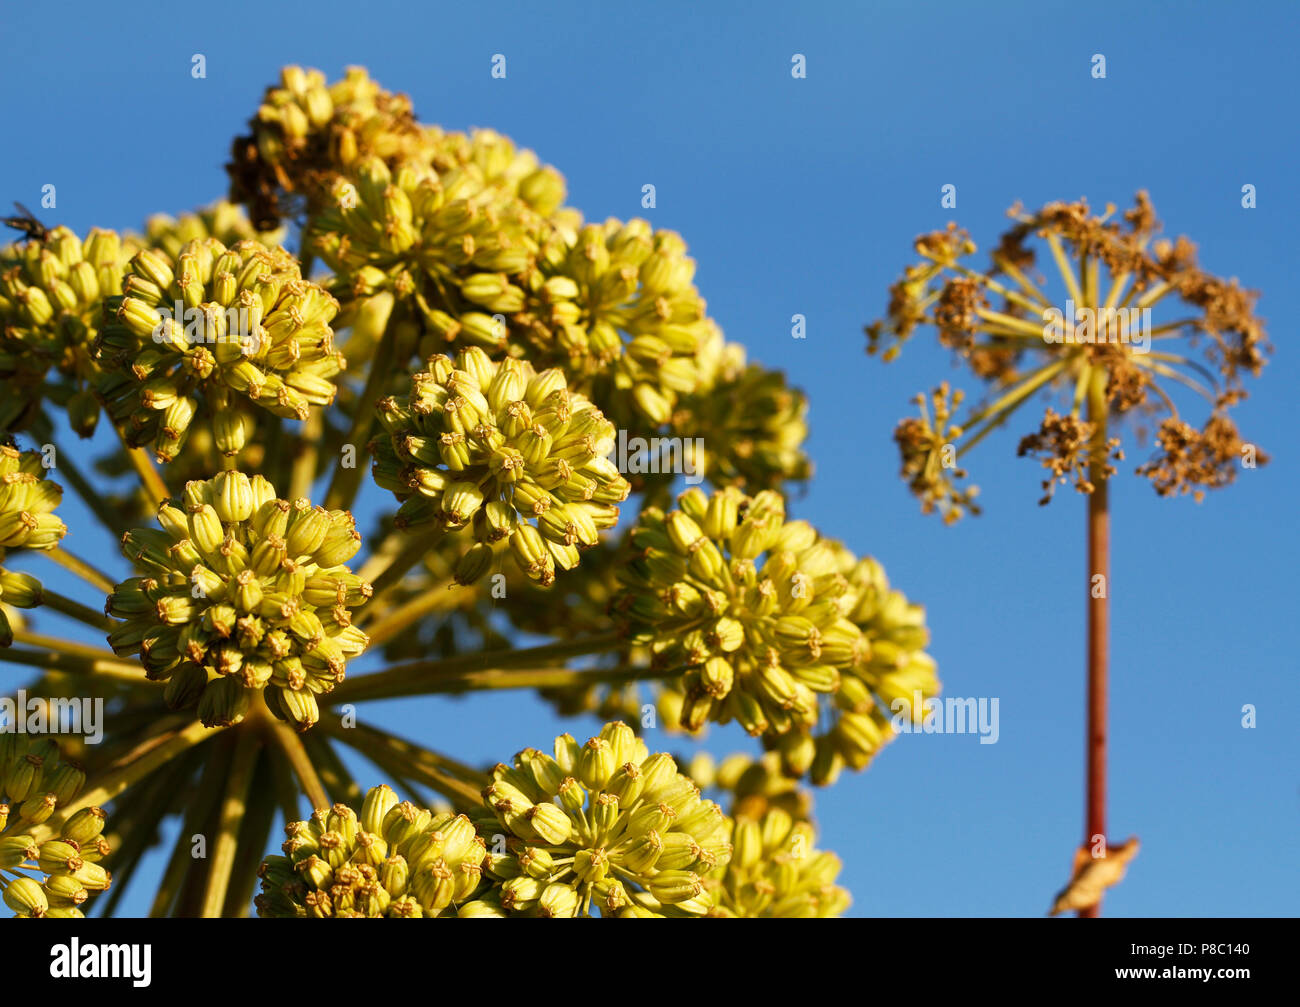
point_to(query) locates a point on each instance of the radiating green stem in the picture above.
(75, 610)
(74, 564)
(134, 767)
(417, 677)
(291, 745)
(334, 775)
(199, 808)
(438, 597)
(385, 571)
(303, 473)
(346, 481)
(233, 806)
(69, 660)
(383, 750)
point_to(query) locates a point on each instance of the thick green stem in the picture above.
(387, 751)
(385, 570)
(144, 760)
(346, 481)
(233, 806)
(291, 745)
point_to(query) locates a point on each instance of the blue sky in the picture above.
(802, 196)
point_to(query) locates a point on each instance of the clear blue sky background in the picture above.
(802, 196)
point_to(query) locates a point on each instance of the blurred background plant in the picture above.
(1089, 339)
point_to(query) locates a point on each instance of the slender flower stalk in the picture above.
(1102, 356)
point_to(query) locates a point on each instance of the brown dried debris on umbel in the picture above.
(1114, 355)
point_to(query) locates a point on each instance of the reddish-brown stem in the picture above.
(1098, 629)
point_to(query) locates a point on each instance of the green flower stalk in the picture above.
(244, 592)
(51, 300)
(51, 877)
(602, 828)
(507, 452)
(253, 333)
(393, 860)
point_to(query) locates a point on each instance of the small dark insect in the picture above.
(26, 222)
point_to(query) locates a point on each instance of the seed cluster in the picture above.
(1115, 271)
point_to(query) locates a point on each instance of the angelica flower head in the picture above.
(242, 592)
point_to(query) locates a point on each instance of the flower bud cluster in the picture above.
(253, 332)
(243, 591)
(393, 861)
(604, 829)
(54, 877)
(27, 521)
(775, 872)
(774, 627)
(507, 452)
(745, 604)
(51, 303)
(224, 221)
(747, 422)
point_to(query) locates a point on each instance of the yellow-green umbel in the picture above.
(243, 591)
(211, 334)
(617, 305)
(505, 451)
(502, 267)
(27, 521)
(306, 132)
(54, 876)
(452, 246)
(776, 873)
(888, 685)
(745, 604)
(744, 426)
(603, 828)
(51, 306)
(394, 861)
(224, 221)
